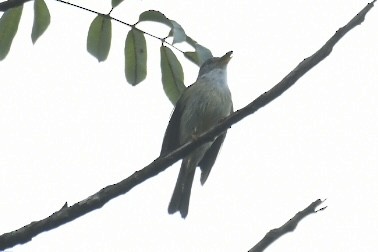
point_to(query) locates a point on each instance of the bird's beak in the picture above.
(226, 58)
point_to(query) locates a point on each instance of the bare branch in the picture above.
(289, 226)
(97, 200)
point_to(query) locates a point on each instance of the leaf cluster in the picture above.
(99, 39)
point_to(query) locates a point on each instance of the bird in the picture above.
(201, 106)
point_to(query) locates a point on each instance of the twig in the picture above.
(289, 226)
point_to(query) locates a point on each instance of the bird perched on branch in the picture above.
(200, 107)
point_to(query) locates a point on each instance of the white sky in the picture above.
(70, 126)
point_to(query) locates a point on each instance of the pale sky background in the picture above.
(70, 126)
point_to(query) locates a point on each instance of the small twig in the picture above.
(163, 40)
(289, 226)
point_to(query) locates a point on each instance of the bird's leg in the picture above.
(194, 137)
(195, 134)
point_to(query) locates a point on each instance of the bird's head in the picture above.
(215, 63)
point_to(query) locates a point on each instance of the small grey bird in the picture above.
(201, 106)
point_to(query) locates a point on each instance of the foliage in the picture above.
(99, 42)
(8, 28)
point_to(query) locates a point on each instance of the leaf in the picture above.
(154, 16)
(177, 32)
(199, 56)
(203, 53)
(8, 28)
(99, 37)
(41, 19)
(193, 57)
(115, 3)
(135, 57)
(191, 41)
(172, 74)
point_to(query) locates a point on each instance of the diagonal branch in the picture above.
(289, 226)
(97, 200)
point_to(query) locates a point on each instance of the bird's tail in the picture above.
(181, 194)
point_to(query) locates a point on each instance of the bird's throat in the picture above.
(217, 76)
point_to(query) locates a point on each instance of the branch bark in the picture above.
(289, 226)
(97, 200)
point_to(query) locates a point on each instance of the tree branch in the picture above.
(289, 226)
(97, 200)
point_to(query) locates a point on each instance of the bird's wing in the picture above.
(210, 156)
(171, 139)
(171, 136)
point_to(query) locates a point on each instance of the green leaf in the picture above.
(115, 3)
(177, 32)
(99, 37)
(135, 57)
(191, 41)
(172, 74)
(199, 56)
(41, 19)
(193, 57)
(203, 53)
(154, 16)
(8, 28)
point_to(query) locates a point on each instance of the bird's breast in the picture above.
(207, 103)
